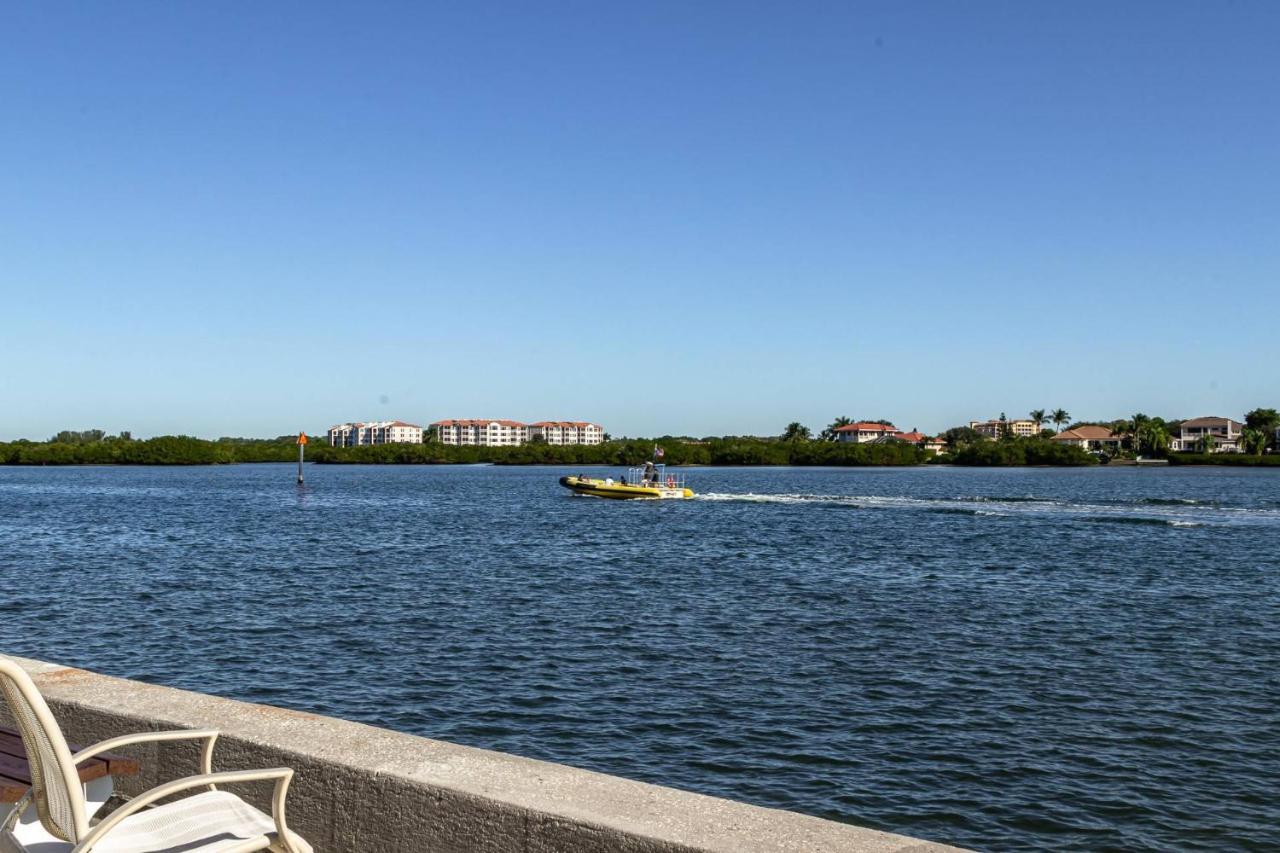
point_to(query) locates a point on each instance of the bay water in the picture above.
(1076, 659)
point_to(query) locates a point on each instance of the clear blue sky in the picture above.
(252, 218)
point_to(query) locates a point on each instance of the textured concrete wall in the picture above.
(360, 788)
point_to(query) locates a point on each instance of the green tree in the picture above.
(1266, 421)
(831, 432)
(796, 431)
(70, 436)
(1254, 440)
(958, 437)
(1130, 430)
(1137, 425)
(1060, 417)
(1037, 417)
(1021, 451)
(1154, 438)
(1207, 443)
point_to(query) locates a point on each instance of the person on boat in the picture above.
(622, 479)
(650, 473)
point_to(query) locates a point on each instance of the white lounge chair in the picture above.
(210, 821)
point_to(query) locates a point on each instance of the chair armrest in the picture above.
(209, 736)
(206, 735)
(281, 775)
(16, 811)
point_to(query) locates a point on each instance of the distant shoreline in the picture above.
(726, 451)
(1264, 465)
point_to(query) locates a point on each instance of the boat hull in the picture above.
(617, 491)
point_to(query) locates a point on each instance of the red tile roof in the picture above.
(864, 426)
(364, 424)
(1006, 421)
(471, 422)
(1087, 433)
(1212, 421)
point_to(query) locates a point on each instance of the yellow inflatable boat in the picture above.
(635, 485)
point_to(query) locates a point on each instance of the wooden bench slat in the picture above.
(15, 768)
(11, 790)
(11, 747)
(119, 765)
(15, 771)
(10, 743)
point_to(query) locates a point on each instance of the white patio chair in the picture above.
(213, 820)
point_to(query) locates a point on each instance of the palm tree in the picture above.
(1060, 417)
(1207, 443)
(1124, 429)
(1254, 440)
(796, 431)
(1267, 421)
(1137, 426)
(1037, 416)
(1155, 437)
(830, 433)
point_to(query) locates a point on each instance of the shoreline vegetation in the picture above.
(186, 450)
(795, 447)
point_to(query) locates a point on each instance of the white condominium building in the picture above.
(995, 429)
(486, 433)
(567, 432)
(504, 433)
(376, 432)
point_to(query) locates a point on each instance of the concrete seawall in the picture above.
(361, 788)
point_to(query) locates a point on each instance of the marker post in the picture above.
(302, 450)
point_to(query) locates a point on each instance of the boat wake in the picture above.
(1170, 512)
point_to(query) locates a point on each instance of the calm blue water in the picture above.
(1004, 659)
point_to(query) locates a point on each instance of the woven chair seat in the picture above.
(212, 822)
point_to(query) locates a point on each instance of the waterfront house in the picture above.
(995, 429)
(481, 432)
(1089, 437)
(566, 432)
(374, 432)
(1224, 432)
(919, 439)
(864, 432)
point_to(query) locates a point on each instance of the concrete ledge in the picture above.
(361, 788)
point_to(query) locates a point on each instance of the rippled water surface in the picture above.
(1004, 659)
